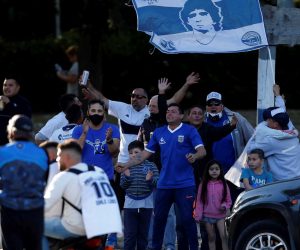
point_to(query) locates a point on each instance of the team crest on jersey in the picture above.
(162, 141)
(180, 138)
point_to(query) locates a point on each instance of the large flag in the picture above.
(202, 26)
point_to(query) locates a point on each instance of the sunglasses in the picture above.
(214, 104)
(137, 96)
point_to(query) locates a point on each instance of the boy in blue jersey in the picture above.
(180, 146)
(255, 175)
(23, 174)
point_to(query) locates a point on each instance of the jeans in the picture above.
(136, 228)
(22, 228)
(170, 233)
(54, 229)
(184, 198)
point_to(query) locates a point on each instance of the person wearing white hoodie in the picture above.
(280, 145)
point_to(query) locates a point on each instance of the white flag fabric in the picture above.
(202, 26)
(100, 209)
(234, 173)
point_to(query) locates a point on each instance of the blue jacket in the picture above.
(23, 172)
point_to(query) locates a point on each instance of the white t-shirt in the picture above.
(54, 123)
(129, 121)
(63, 133)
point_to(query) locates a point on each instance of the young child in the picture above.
(255, 175)
(138, 182)
(213, 203)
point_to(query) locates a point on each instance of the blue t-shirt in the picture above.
(23, 168)
(95, 150)
(223, 150)
(256, 180)
(174, 145)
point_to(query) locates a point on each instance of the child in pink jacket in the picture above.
(213, 203)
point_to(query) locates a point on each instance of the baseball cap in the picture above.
(279, 115)
(214, 96)
(267, 113)
(21, 123)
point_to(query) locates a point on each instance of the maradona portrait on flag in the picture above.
(202, 26)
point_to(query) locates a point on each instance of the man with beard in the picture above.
(65, 204)
(99, 140)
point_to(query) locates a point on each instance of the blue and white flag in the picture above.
(202, 26)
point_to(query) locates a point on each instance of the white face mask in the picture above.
(215, 115)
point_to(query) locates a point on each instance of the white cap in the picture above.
(214, 95)
(277, 111)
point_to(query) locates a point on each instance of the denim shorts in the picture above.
(211, 220)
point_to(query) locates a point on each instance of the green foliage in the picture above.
(31, 52)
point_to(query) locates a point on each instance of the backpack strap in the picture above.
(71, 204)
(91, 168)
(74, 171)
(77, 171)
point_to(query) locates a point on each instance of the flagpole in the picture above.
(265, 80)
(271, 65)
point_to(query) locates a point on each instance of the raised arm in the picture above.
(113, 144)
(90, 93)
(279, 99)
(191, 79)
(72, 78)
(217, 133)
(121, 167)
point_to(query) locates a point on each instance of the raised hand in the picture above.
(108, 134)
(192, 78)
(163, 85)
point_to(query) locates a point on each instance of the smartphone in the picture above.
(84, 78)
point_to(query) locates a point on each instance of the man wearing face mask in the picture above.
(99, 139)
(228, 149)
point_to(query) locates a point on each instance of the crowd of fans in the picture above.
(164, 164)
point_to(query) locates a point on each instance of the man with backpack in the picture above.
(65, 203)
